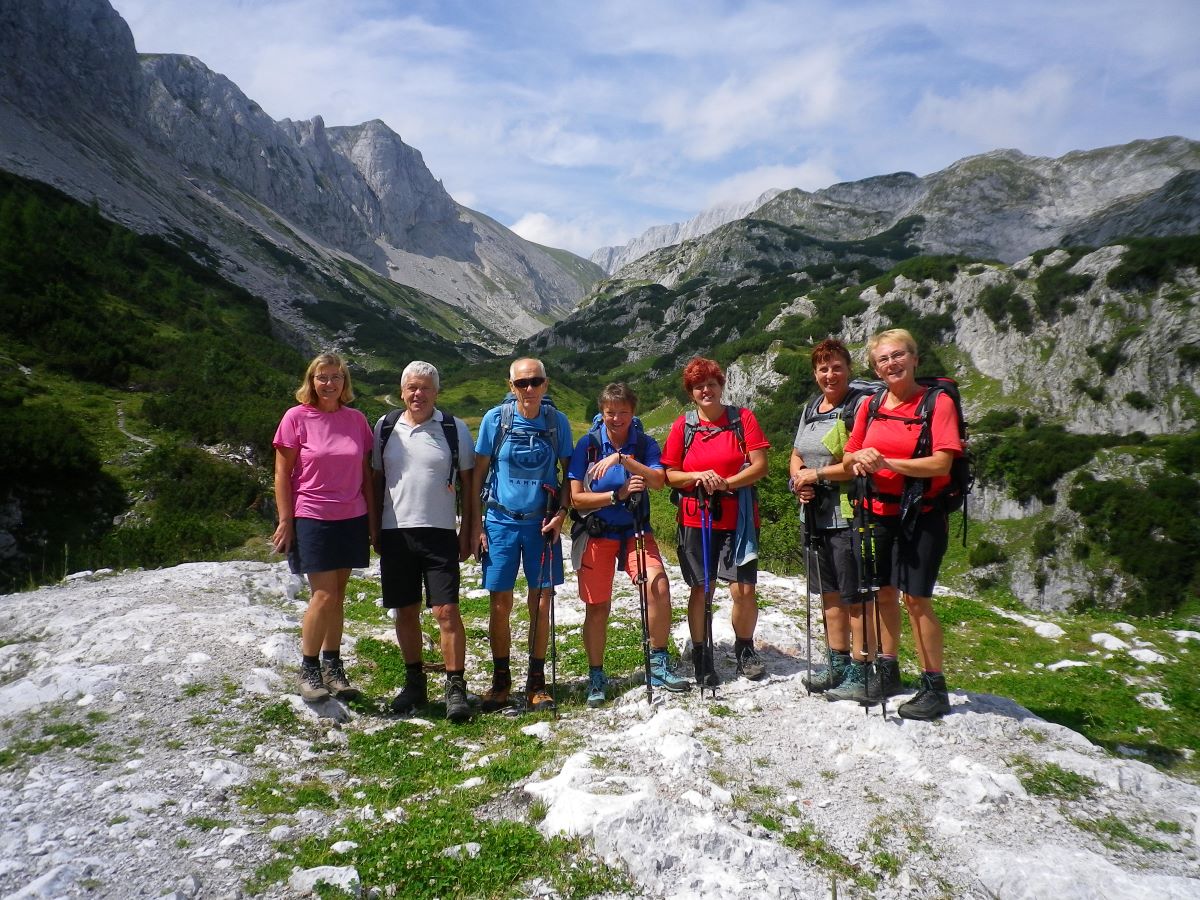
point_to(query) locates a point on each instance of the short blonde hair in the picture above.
(307, 392)
(894, 336)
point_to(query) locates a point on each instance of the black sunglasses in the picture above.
(523, 383)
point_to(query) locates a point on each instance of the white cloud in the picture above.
(809, 176)
(788, 95)
(578, 236)
(1002, 116)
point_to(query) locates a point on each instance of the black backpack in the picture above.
(387, 425)
(691, 425)
(962, 474)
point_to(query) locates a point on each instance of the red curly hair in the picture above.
(699, 370)
(828, 349)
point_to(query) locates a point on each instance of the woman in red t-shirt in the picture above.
(883, 449)
(722, 460)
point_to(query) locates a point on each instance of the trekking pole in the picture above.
(806, 525)
(813, 541)
(708, 653)
(867, 584)
(639, 539)
(548, 552)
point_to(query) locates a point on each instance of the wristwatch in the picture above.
(616, 498)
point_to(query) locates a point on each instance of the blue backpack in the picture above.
(640, 450)
(508, 412)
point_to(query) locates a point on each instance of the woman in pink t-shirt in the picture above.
(327, 517)
(882, 448)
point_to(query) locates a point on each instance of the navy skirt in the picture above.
(323, 546)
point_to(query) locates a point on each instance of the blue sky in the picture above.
(581, 124)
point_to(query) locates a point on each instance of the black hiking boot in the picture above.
(931, 702)
(834, 674)
(889, 675)
(415, 694)
(457, 708)
(702, 662)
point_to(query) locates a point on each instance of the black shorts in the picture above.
(410, 558)
(909, 564)
(690, 546)
(834, 557)
(325, 546)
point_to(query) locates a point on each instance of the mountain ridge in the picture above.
(173, 145)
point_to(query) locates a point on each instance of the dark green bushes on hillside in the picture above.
(58, 498)
(1151, 261)
(1029, 461)
(1151, 529)
(1001, 303)
(1054, 286)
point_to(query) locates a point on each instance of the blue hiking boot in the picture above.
(597, 685)
(661, 675)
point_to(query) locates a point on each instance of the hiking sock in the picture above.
(329, 656)
(461, 673)
(595, 670)
(311, 662)
(413, 671)
(740, 644)
(537, 667)
(501, 673)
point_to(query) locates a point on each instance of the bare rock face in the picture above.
(166, 144)
(68, 52)
(611, 259)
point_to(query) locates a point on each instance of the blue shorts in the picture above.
(511, 545)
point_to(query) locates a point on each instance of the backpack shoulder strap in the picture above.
(691, 424)
(450, 433)
(384, 429)
(734, 413)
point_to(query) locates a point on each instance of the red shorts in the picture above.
(600, 562)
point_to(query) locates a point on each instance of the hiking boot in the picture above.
(312, 686)
(858, 686)
(702, 661)
(931, 702)
(496, 697)
(457, 708)
(334, 677)
(662, 677)
(597, 685)
(536, 697)
(835, 672)
(415, 694)
(749, 665)
(889, 675)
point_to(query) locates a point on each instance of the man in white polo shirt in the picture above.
(415, 467)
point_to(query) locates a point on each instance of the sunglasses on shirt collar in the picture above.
(523, 383)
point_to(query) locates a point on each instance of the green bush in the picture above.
(1054, 286)
(1151, 529)
(1152, 261)
(1139, 401)
(1029, 462)
(985, 553)
(51, 474)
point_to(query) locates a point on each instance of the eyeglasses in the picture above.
(894, 357)
(523, 383)
(329, 379)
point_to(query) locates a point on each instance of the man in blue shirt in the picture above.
(521, 446)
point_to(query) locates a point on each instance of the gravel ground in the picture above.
(691, 797)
